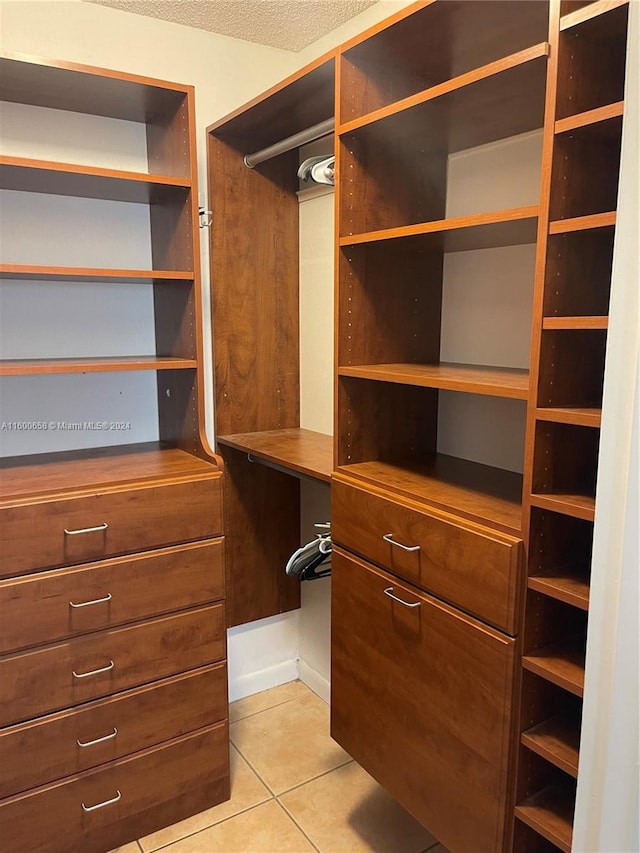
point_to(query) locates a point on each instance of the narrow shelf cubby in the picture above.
(591, 59)
(586, 165)
(545, 802)
(550, 722)
(393, 63)
(560, 557)
(578, 273)
(572, 368)
(554, 642)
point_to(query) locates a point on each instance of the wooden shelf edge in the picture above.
(298, 451)
(567, 674)
(53, 273)
(488, 381)
(443, 225)
(589, 417)
(42, 366)
(550, 814)
(491, 69)
(586, 13)
(578, 506)
(557, 741)
(563, 588)
(583, 223)
(94, 172)
(590, 117)
(569, 323)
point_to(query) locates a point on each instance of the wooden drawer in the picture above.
(43, 680)
(41, 751)
(49, 606)
(473, 567)
(421, 697)
(32, 535)
(153, 788)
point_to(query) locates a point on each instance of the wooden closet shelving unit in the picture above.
(111, 558)
(578, 216)
(254, 281)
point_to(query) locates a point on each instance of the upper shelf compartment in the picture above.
(163, 108)
(420, 49)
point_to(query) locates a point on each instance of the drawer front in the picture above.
(140, 794)
(43, 680)
(49, 606)
(472, 567)
(38, 752)
(421, 697)
(107, 523)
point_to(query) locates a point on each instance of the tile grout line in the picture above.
(277, 705)
(295, 823)
(313, 778)
(211, 826)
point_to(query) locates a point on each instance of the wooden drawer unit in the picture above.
(473, 567)
(60, 745)
(61, 531)
(50, 606)
(103, 808)
(54, 677)
(421, 697)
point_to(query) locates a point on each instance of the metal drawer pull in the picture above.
(115, 799)
(87, 529)
(93, 601)
(388, 537)
(98, 740)
(109, 666)
(389, 591)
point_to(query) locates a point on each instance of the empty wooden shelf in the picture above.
(561, 663)
(301, 451)
(550, 813)
(568, 415)
(566, 585)
(557, 740)
(112, 364)
(578, 506)
(31, 272)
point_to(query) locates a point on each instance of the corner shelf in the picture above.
(578, 506)
(463, 233)
(557, 740)
(42, 176)
(564, 585)
(112, 364)
(550, 813)
(590, 417)
(474, 379)
(561, 663)
(299, 451)
(29, 272)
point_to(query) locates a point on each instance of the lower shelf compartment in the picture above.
(550, 813)
(557, 740)
(471, 490)
(561, 663)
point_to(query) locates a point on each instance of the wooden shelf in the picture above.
(590, 12)
(78, 470)
(28, 79)
(113, 364)
(591, 118)
(575, 323)
(564, 585)
(557, 740)
(582, 223)
(463, 233)
(299, 450)
(42, 176)
(469, 105)
(478, 492)
(579, 506)
(474, 379)
(550, 813)
(590, 417)
(28, 272)
(561, 663)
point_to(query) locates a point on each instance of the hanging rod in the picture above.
(317, 131)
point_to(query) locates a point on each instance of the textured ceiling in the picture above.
(287, 24)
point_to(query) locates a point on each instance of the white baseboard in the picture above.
(256, 682)
(315, 680)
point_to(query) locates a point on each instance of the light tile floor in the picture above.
(293, 790)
